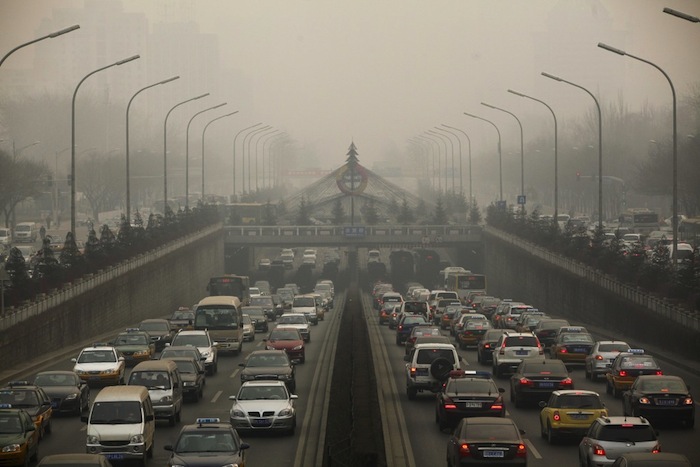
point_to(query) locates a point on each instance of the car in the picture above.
(428, 366)
(254, 291)
(192, 376)
(267, 365)
(460, 317)
(486, 441)
(625, 369)
(136, 346)
(306, 305)
(33, 400)
(658, 459)
(309, 260)
(468, 393)
(546, 330)
(572, 348)
(160, 331)
(415, 307)
(257, 316)
(184, 351)
(326, 290)
(5, 236)
(182, 318)
(439, 308)
(19, 437)
(536, 379)
(660, 397)
(529, 319)
(100, 364)
(286, 297)
(569, 412)
(502, 309)
(322, 306)
(406, 324)
(511, 313)
(395, 317)
(608, 438)
(289, 340)
(28, 252)
(267, 304)
(514, 347)
(264, 264)
(601, 356)
(484, 348)
(472, 331)
(298, 321)
(448, 315)
(67, 392)
(77, 460)
(207, 442)
(385, 312)
(390, 297)
(374, 256)
(263, 406)
(202, 340)
(248, 328)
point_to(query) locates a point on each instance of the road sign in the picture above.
(354, 231)
(521, 199)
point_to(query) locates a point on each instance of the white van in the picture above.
(5, 236)
(25, 232)
(121, 424)
(164, 385)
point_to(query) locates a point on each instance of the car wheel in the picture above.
(411, 393)
(551, 437)
(543, 433)
(587, 373)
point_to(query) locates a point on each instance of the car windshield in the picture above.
(131, 339)
(115, 413)
(613, 347)
(249, 393)
(582, 401)
(185, 367)
(158, 327)
(183, 315)
(430, 355)
(97, 356)
(579, 338)
(167, 353)
(638, 362)
(426, 331)
(284, 335)
(261, 301)
(463, 386)
(267, 360)
(491, 432)
(292, 320)
(206, 441)
(413, 319)
(627, 433)
(556, 368)
(304, 302)
(254, 312)
(663, 385)
(415, 307)
(10, 424)
(150, 379)
(197, 340)
(521, 341)
(55, 379)
(19, 398)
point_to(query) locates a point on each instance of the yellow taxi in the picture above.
(570, 412)
(626, 367)
(135, 345)
(33, 400)
(19, 437)
(100, 364)
(572, 345)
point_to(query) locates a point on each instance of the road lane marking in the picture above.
(532, 449)
(260, 344)
(216, 396)
(233, 375)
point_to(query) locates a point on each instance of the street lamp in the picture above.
(263, 135)
(234, 155)
(469, 142)
(556, 158)
(72, 153)
(452, 149)
(500, 158)
(165, 148)
(459, 142)
(679, 14)
(187, 153)
(423, 156)
(16, 152)
(270, 137)
(674, 220)
(600, 143)
(203, 132)
(436, 155)
(128, 189)
(48, 36)
(433, 156)
(251, 135)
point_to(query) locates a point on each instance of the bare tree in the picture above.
(19, 180)
(101, 181)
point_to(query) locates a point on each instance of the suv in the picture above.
(428, 367)
(610, 437)
(204, 344)
(512, 348)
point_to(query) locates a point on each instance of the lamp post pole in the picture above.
(269, 159)
(424, 153)
(165, 148)
(522, 148)
(600, 144)
(128, 188)
(203, 133)
(674, 219)
(262, 137)
(48, 36)
(680, 14)
(556, 146)
(469, 145)
(436, 155)
(187, 153)
(452, 152)
(459, 142)
(72, 153)
(500, 157)
(234, 155)
(252, 135)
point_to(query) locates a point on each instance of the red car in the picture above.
(289, 340)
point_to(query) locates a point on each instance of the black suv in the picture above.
(269, 365)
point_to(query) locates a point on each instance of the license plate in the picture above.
(493, 454)
(421, 371)
(580, 350)
(665, 402)
(578, 416)
(521, 352)
(472, 405)
(114, 456)
(546, 385)
(94, 378)
(260, 422)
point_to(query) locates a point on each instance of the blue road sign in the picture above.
(521, 199)
(354, 231)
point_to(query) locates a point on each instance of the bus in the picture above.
(466, 282)
(222, 317)
(230, 284)
(640, 220)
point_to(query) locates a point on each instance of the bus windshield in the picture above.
(216, 317)
(235, 286)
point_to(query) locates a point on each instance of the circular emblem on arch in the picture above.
(352, 181)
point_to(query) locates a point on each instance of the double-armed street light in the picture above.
(469, 145)
(500, 156)
(423, 156)
(274, 140)
(18, 152)
(48, 36)
(187, 153)
(128, 188)
(234, 155)
(203, 133)
(600, 143)
(72, 158)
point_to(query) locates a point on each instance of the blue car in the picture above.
(406, 324)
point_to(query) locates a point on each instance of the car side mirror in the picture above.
(232, 398)
(522, 432)
(501, 390)
(241, 364)
(543, 404)
(168, 447)
(293, 396)
(244, 446)
(74, 360)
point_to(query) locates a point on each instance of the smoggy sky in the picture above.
(382, 71)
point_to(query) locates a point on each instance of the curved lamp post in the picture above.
(674, 220)
(252, 135)
(234, 155)
(680, 14)
(452, 149)
(433, 157)
(500, 158)
(262, 137)
(459, 142)
(556, 157)
(72, 153)
(128, 189)
(187, 153)
(469, 141)
(600, 143)
(436, 155)
(48, 36)
(269, 159)
(423, 155)
(203, 132)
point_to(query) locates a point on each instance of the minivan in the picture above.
(25, 232)
(164, 385)
(121, 424)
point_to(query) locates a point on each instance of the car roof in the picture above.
(267, 382)
(433, 345)
(575, 392)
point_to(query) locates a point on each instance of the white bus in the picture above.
(222, 317)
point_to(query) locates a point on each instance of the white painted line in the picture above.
(233, 375)
(260, 344)
(532, 449)
(84, 428)
(216, 396)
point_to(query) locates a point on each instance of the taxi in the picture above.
(33, 400)
(207, 442)
(572, 345)
(135, 345)
(100, 364)
(19, 438)
(472, 332)
(626, 367)
(569, 412)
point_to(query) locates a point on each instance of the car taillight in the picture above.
(567, 382)
(464, 450)
(659, 372)
(525, 382)
(599, 357)
(487, 346)
(448, 404)
(562, 350)
(522, 451)
(413, 372)
(598, 450)
(498, 406)
(556, 417)
(657, 449)
(400, 327)
(644, 400)
(688, 401)
(622, 373)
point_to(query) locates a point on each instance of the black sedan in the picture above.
(484, 349)
(660, 397)
(536, 380)
(486, 441)
(468, 393)
(257, 316)
(68, 393)
(192, 376)
(269, 365)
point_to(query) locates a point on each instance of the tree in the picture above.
(19, 180)
(474, 213)
(371, 214)
(303, 217)
(439, 215)
(338, 212)
(101, 182)
(405, 214)
(269, 217)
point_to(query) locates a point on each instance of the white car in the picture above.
(5, 236)
(309, 259)
(373, 256)
(248, 329)
(100, 364)
(306, 304)
(296, 320)
(204, 344)
(263, 406)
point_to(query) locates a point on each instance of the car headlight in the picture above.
(269, 347)
(136, 439)
(12, 448)
(92, 439)
(236, 413)
(79, 372)
(166, 399)
(227, 465)
(206, 353)
(285, 412)
(298, 347)
(109, 372)
(188, 383)
(141, 353)
(71, 396)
